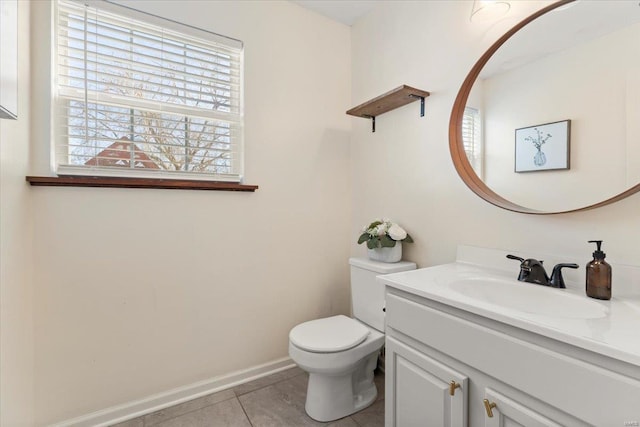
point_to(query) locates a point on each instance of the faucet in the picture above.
(532, 271)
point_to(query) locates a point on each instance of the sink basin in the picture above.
(528, 298)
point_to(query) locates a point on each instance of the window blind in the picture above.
(135, 98)
(472, 138)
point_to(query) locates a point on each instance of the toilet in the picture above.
(340, 353)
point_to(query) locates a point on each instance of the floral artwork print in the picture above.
(538, 141)
(543, 147)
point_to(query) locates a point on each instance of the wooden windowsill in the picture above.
(114, 182)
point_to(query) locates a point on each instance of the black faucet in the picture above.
(532, 271)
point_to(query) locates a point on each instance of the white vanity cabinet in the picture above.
(426, 392)
(527, 379)
(502, 411)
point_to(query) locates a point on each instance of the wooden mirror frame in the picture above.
(456, 145)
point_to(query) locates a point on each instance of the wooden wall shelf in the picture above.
(386, 102)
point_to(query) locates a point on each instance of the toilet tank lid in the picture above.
(328, 335)
(382, 267)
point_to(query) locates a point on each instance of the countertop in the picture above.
(614, 333)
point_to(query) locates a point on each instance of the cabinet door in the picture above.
(509, 413)
(422, 391)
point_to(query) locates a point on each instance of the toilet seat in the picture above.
(328, 335)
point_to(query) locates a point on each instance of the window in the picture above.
(472, 138)
(138, 96)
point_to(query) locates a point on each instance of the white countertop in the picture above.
(614, 331)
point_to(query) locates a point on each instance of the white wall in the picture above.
(559, 87)
(404, 170)
(16, 258)
(141, 291)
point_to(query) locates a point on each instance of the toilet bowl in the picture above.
(340, 353)
(340, 381)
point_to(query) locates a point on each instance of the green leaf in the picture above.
(387, 242)
(372, 243)
(408, 239)
(363, 238)
(374, 224)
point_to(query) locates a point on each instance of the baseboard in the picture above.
(176, 396)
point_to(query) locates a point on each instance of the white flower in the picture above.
(396, 232)
(381, 230)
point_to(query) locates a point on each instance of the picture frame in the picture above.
(543, 147)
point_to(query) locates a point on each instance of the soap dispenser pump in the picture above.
(598, 281)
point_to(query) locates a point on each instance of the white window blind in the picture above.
(136, 97)
(472, 138)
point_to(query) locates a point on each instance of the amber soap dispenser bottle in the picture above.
(598, 274)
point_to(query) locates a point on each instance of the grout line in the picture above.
(235, 396)
(245, 412)
(144, 423)
(268, 385)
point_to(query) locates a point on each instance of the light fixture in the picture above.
(486, 10)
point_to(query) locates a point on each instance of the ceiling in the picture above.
(345, 11)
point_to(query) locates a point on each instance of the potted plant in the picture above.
(384, 240)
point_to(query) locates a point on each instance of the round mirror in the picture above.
(548, 120)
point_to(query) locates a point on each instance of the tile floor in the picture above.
(273, 401)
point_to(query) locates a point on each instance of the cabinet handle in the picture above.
(488, 406)
(452, 387)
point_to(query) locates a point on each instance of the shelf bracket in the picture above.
(373, 122)
(386, 102)
(421, 103)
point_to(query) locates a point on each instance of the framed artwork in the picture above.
(543, 147)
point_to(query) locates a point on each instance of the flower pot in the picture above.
(393, 254)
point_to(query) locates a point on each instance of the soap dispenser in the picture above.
(598, 274)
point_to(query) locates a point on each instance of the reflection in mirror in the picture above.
(580, 62)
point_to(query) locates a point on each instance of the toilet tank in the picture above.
(367, 294)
